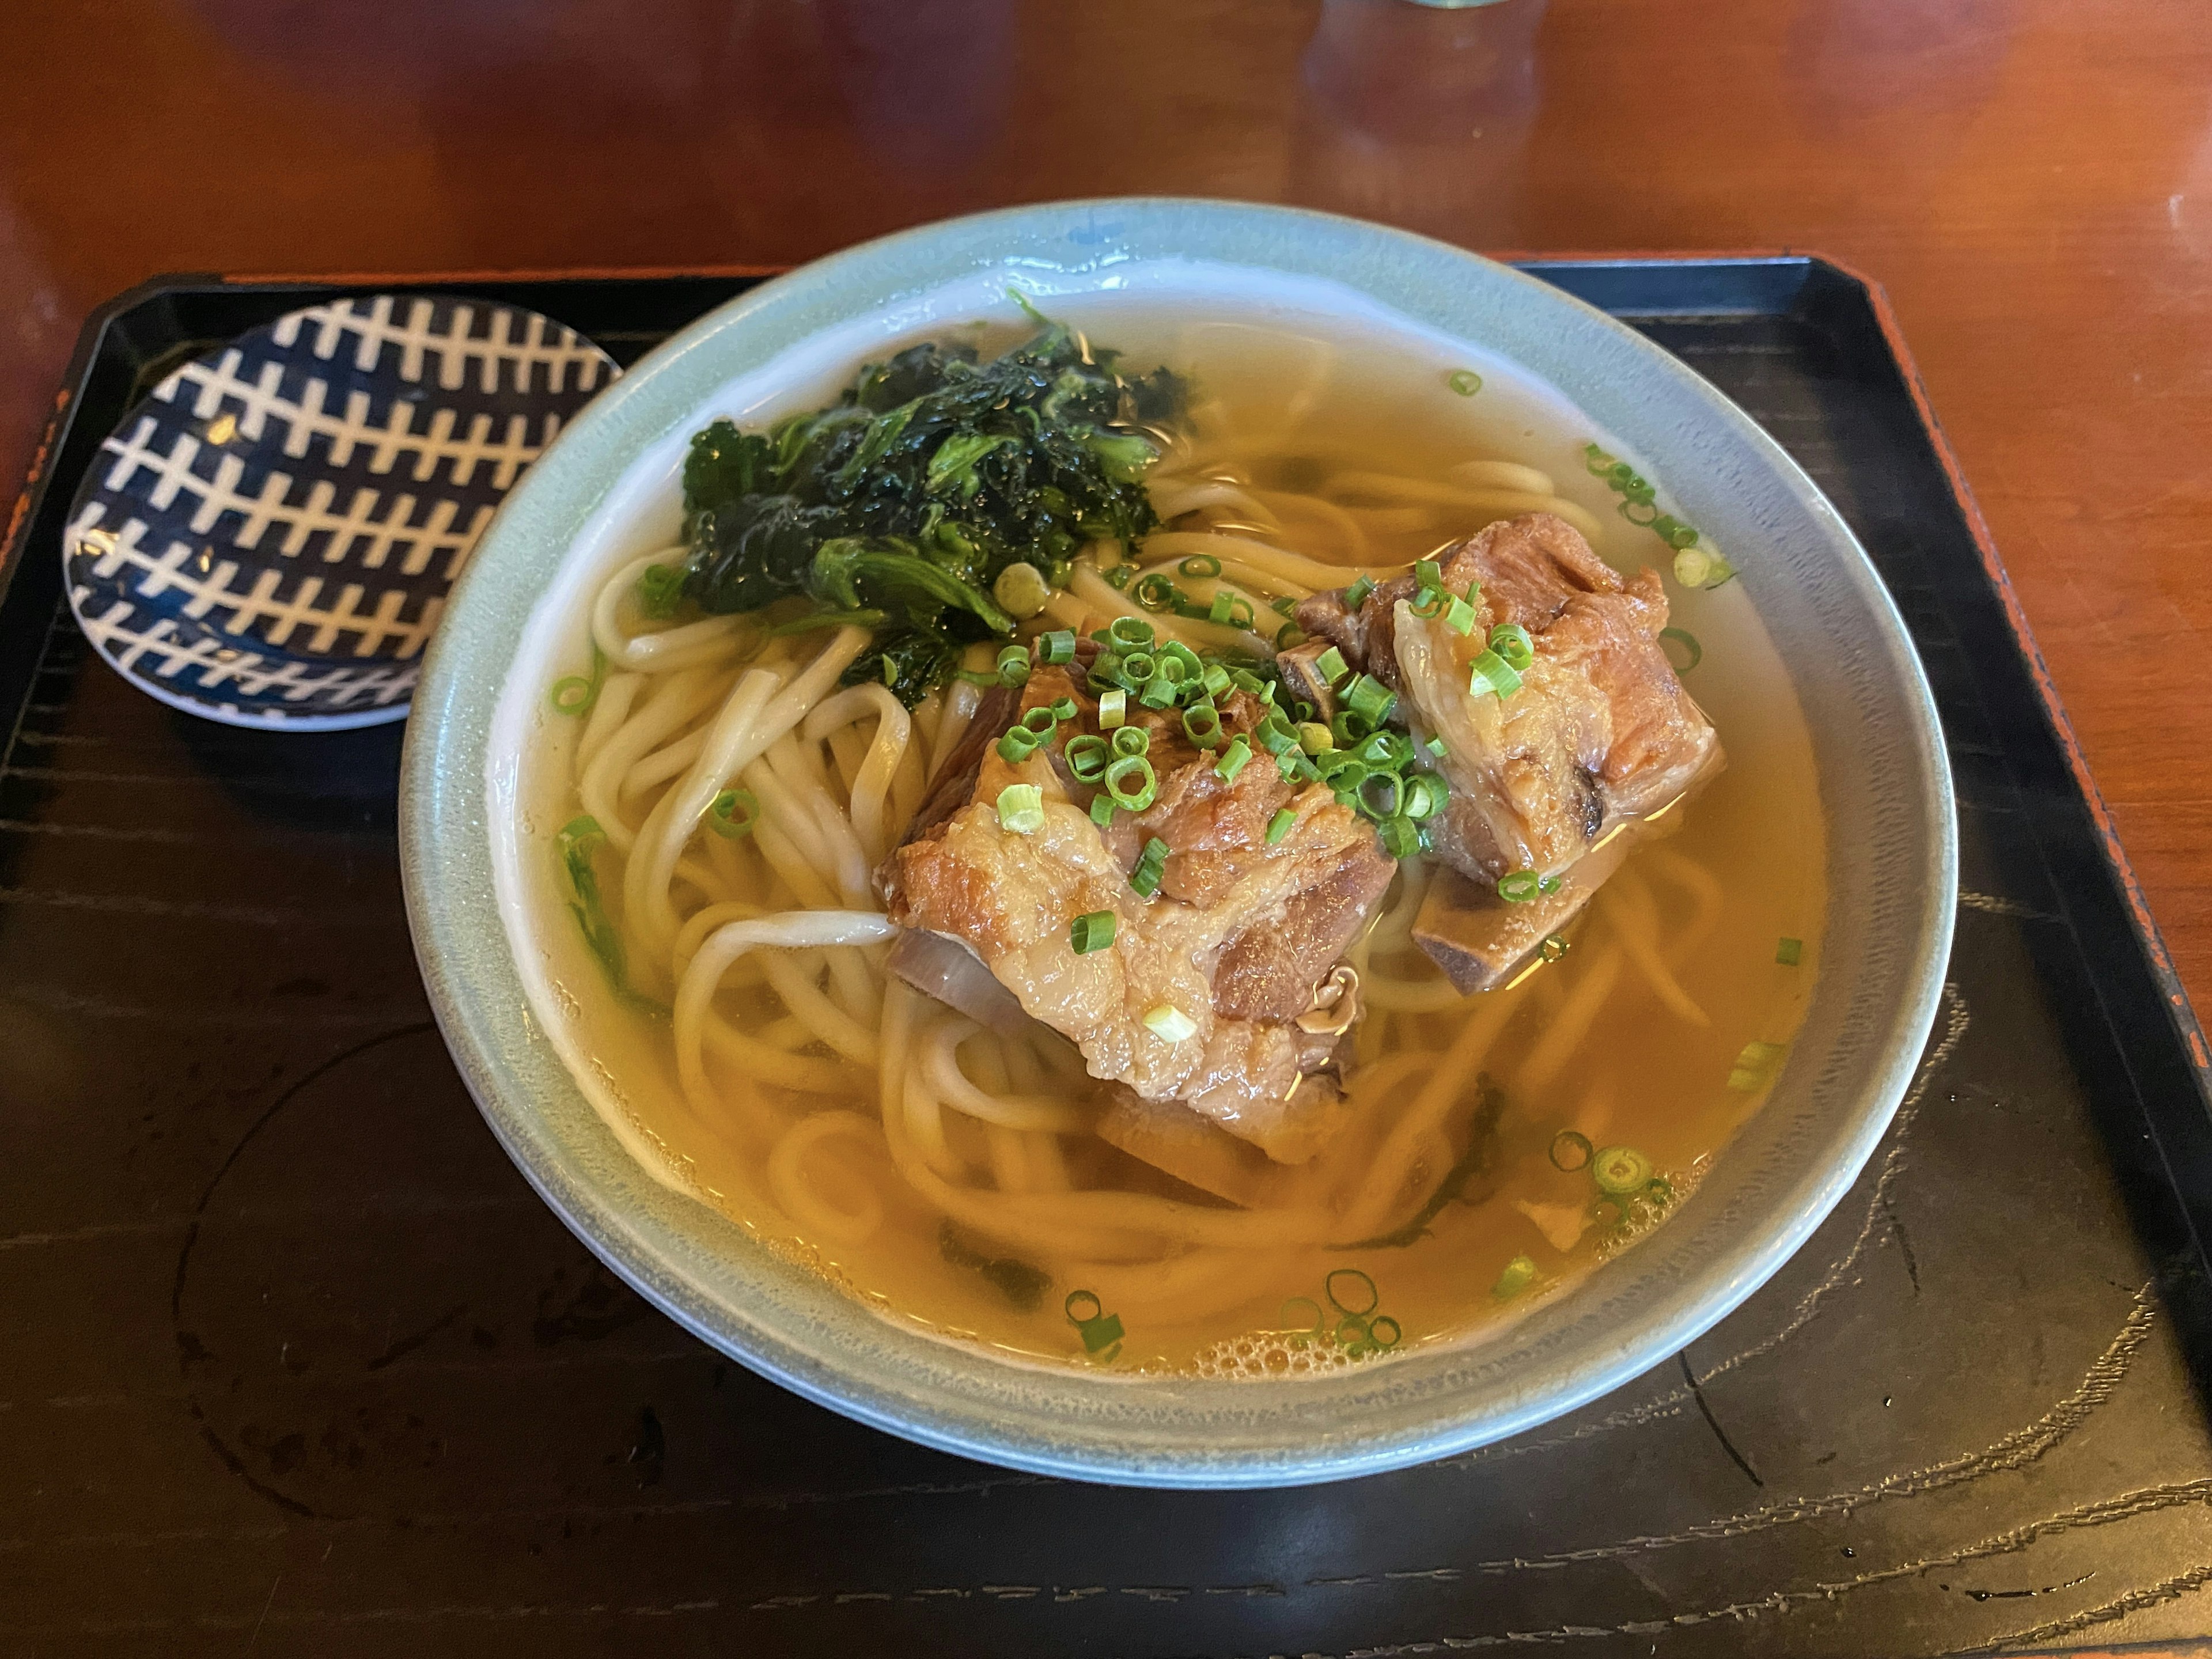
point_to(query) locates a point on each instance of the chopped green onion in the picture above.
(1689, 642)
(1091, 932)
(1400, 836)
(1201, 564)
(1119, 575)
(1424, 796)
(1432, 602)
(1132, 740)
(1377, 749)
(1283, 605)
(1620, 1171)
(1202, 724)
(1521, 887)
(1289, 636)
(1379, 794)
(1492, 673)
(1057, 647)
(1674, 531)
(1131, 782)
(1129, 633)
(1694, 567)
(1063, 708)
(1571, 1151)
(1156, 593)
(1550, 884)
(1233, 760)
(574, 696)
(971, 675)
(1520, 1272)
(723, 814)
(1166, 1021)
(1021, 589)
(1459, 617)
(1754, 1067)
(1013, 666)
(1152, 864)
(1436, 746)
(1193, 664)
(1112, 708)
(1369, 699)
(1215, 680)
(1137, 667)
(1314, 738)
(1040, 722)
(659, 590)
(1102, 809)
(1277, 734)
(1467, 383)
(1428, 574)
(1331, 666)
(1017, 745)
(1280, 825)
(1229, 610)
(1021, 808)
(1347, 728)
(1790, 951)
(1554, 948)
(1088, 758)
(1511, 641)
(1159, 691)
(1356, 595)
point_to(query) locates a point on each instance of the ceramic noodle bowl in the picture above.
(570, 1079)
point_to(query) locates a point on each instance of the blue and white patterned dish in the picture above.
(268, 540)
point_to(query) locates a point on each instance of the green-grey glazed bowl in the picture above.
(477, 859)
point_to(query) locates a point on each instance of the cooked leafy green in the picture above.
(908, 496)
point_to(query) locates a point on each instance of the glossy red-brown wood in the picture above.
(2030, 178)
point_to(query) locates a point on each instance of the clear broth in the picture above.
(1297, 402)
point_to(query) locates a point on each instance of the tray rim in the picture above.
(2179, 1014)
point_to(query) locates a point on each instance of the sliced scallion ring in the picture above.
(1571, 1151)
(733, 813)
(1620, 1171)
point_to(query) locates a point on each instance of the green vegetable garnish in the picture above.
(1520, 887)
(1091, 932)
(1151, 863)
(1021, 808)
(920, 492)
(579, 840)
(733, 813)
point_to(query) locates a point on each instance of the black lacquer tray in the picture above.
(292, 1361)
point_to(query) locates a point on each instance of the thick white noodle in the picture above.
(797, 1195)
(616, 693)
(695, 992)
(872, 786)
(1494, 504)
(676, 700)
(681, 647)
(757, 713)
(941, 1056)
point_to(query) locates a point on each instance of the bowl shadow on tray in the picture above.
(325, 781)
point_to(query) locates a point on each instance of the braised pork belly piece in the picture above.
(1217, 993)
(1551, 780)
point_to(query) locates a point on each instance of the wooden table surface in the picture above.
(2032, 179)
